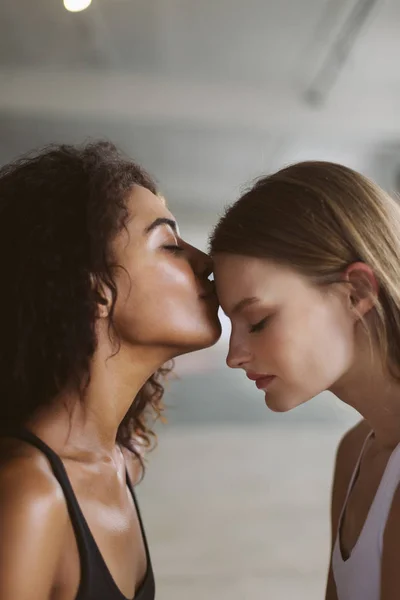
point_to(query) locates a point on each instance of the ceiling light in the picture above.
(77, 5)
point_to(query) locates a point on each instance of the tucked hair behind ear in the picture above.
(319, 217)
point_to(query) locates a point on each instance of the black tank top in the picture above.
(96, 582)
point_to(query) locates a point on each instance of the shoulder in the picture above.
(26, 474)
(351, 444)
(347, 455)
(28, 486)
(33, 520)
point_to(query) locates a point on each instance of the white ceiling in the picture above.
(206, 94)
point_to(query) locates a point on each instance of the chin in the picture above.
(277, 407)
(211, 330)
(281, 405)
(209, 338)
(198, 339)
(214, 335)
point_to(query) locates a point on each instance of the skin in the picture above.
(165, 307)
(309, 338)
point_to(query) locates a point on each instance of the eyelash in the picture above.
(174, 249)
(258, 326)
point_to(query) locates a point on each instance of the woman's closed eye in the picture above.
(258, 326)
(174, 248)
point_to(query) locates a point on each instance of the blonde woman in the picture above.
(307, 267)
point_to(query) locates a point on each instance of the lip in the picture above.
(264, 382)
(255, 376)
(261, 381)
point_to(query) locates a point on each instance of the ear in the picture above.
(363, 289)
(102, 296)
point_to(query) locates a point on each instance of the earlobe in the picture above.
(364, 288)
(103, 308)
(102, 298)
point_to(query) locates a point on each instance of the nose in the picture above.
(201, 263)
(238, 356)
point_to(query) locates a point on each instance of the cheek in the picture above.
(172, 275)
(316, 347)
(157, 280)
(159, 302)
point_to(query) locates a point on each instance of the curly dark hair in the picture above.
(59, 211)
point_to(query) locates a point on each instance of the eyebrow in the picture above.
(243, 304)
(159, 222)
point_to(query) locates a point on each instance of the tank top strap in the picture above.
(384, 496)
(96, 579)
(354, 475)
(82, 531)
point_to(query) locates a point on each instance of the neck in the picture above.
(375, 394)
(89, 422)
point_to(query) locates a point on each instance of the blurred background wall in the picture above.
(208, 95)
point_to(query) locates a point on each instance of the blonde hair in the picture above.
(318, 218)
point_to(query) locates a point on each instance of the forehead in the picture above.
(246, 269)
(144, 207)
(238, 276)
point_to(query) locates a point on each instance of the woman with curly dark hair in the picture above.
(99, 292)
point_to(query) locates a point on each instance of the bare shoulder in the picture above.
(33, 520)
(25, 473)
(347, 455)
(351, 444)
(28, 489)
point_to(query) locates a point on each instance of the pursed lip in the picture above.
(256, 376)
(262, 381)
